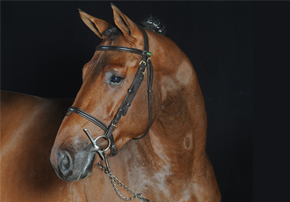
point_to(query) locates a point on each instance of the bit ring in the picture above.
(109, 142)
(94, 141)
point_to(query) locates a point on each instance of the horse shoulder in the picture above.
(29, 125)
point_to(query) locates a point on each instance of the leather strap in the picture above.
(122, 111)
(122, 48)
(87, 116)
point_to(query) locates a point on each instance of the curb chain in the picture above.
(115, 181)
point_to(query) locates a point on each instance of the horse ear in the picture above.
(98, 26)
(127, 26)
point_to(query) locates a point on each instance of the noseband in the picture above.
(122, 111)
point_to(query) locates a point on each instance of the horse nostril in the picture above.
(65, 164)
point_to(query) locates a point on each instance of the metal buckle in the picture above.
(142, 61)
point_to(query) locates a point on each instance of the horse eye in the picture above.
(115, 80)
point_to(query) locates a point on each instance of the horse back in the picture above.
(29, 125)
(24, 116)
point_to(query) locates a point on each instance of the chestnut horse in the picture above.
(168, 164)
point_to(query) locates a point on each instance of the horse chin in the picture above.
(88, 175)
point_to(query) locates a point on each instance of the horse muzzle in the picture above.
(72, 168)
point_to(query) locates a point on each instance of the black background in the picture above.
(45, 44)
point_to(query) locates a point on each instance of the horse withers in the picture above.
(119, 101)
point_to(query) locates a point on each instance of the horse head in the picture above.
(106, 80)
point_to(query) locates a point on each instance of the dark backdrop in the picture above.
(45, 44)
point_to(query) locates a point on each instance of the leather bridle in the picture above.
(122, 111)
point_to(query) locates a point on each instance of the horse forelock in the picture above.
(112, 32)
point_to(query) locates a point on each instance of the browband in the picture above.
(122, 48)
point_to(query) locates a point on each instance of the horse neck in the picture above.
(176, 140)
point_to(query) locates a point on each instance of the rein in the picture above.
(122, 111)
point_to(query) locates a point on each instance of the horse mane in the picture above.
(154, 25)
(150, 23)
